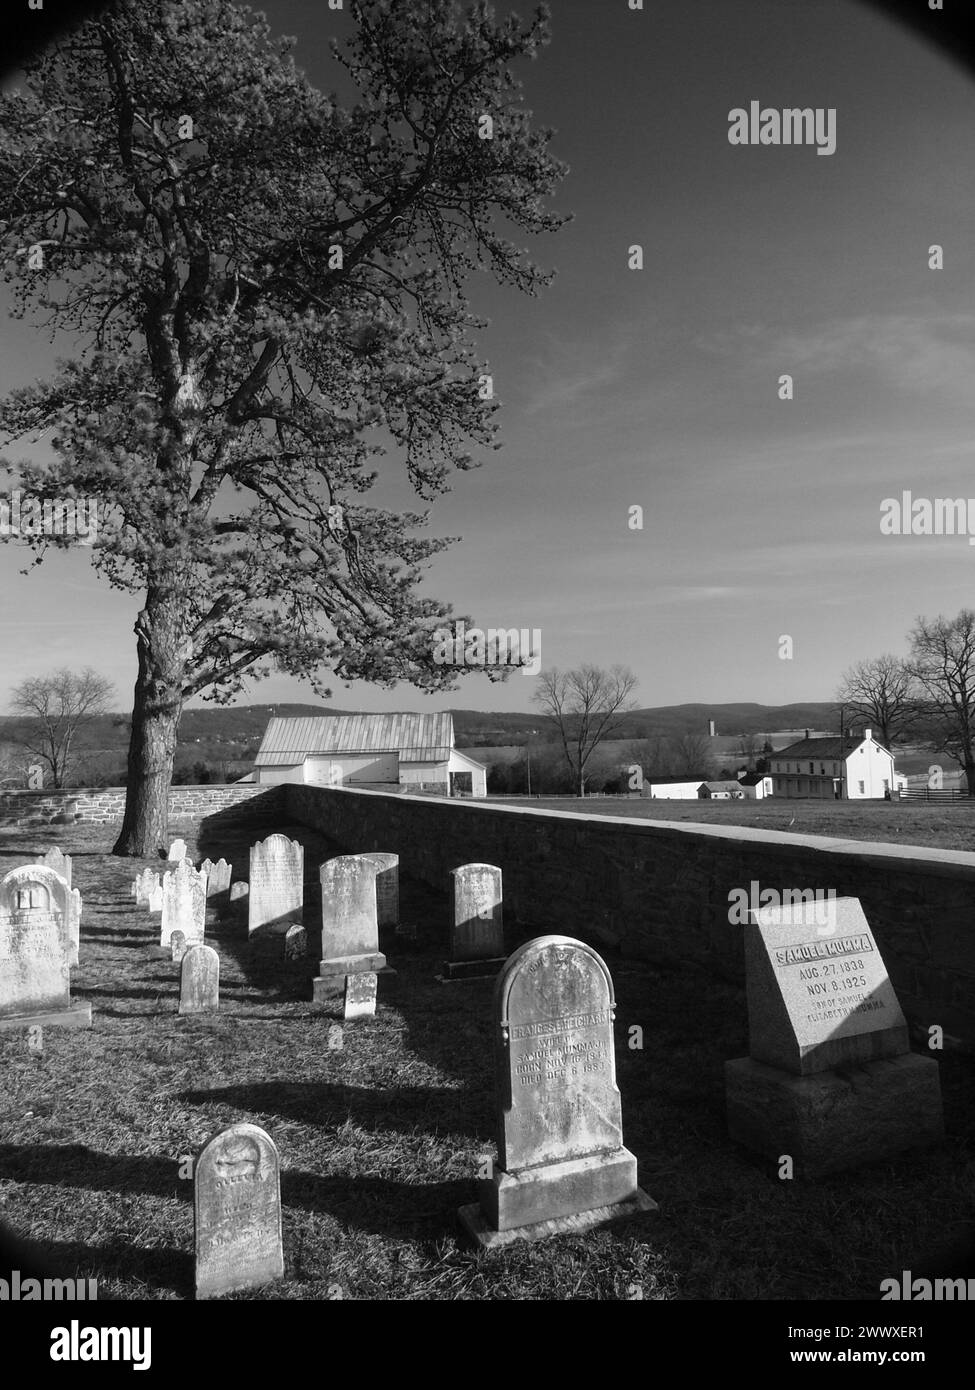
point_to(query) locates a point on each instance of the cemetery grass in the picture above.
(936, 825)
(381, 1139)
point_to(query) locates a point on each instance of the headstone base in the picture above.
(555, 1191)
(76, 1015)
(331, 983)
(833, 1120)
(485, 969)
(563, 1187)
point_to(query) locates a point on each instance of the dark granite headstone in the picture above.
(831, 1081)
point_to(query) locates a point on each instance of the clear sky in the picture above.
(659, 388)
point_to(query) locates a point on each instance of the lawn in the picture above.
(380, 1139)
(940, 825)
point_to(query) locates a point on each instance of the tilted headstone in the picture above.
(199, 981)
(34, 884)
(177, 946)
(184, 899)
(276, 885)
(177, 851)
(237, 1212)
(831, 1081)
(387, 887)
(350, 932)
(60, 863)
(476, 945)
(561, 1163)
(218, 880)
(360, 994)
(34, 954)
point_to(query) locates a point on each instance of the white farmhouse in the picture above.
(406, 752)
(756, 785)
(848, 769)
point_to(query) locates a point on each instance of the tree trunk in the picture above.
(164, 650)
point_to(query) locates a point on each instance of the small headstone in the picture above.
(177, 946)
(360, 994)
(199, 981)
(154, 896)
(276, 885)
(183, 904)
(34, 953)
(387, 888)
(177, 851)
(831, 1080)
(476, 945)
(218, 881)
(350, 932)
(145, 883)
(295, 943)
(561, 1164)
(237, 1212)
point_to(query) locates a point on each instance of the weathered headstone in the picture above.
(183, 904)
(35, 884)
(562, 1166)
(177, 851)
(387, 888)
(276, 885)
(34, 953)
(60, 863)
(476, 944)
(145, 883)
(177, 946)
(154, 895)
(350, 932)
(295, 943)
(237, 1212)
(830, 1080)
(218, 881)
(199, 981)
(360, 994)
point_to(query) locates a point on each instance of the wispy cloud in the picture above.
(924, 352)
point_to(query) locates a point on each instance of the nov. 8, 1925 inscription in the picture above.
(839, 1003)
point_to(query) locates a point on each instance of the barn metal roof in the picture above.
(415, 737)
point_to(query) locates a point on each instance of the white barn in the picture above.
(407, 752)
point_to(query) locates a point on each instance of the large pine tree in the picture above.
(263, 288)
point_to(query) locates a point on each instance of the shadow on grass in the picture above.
(405, 1110)
(158, 1266)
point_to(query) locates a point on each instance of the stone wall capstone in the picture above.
(660, 891)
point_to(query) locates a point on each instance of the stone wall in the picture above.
(660, 891)
(105, 805)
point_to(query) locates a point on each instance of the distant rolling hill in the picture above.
(227, 737)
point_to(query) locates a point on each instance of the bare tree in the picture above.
(884, 693)
(57, 706)
(692, 755)
(942, 660)
(584, 706)
(749, 747)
